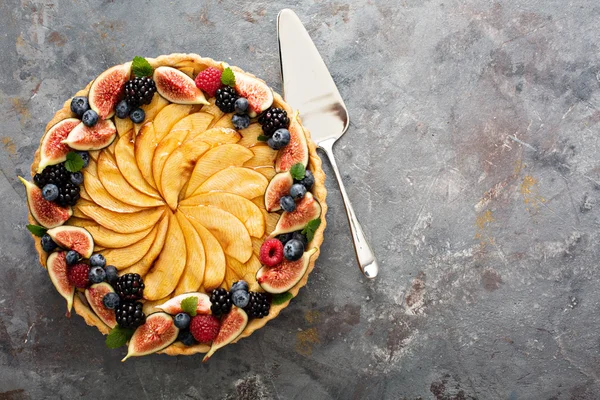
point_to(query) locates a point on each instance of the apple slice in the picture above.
(163, 277)
(244, 210)
(123, 125)
(122, 223)
(144, 265)
(115, 184)
(167, 118)
(264, 156)
(214, 271)
(212, 109)
(145, 144)
(224, 122)
(219, 136)
(193, 274)
(247, 271)
(151, 110)
(126, 256)
(250, 135)
(107, 238)
(231, 233)
(215, 160)
(243, 181)
(100, 196)
(125, 157)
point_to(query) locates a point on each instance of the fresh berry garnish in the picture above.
(78, 275)
(298, 235)
(205, 328)
(80, 105)
(111, 300)
(182, 320)
(240, 298)
(111, 274)
(220, 302)
(48, 244)
(97, 275)
(308, 181)
(122, 109)
(50, 192)
(72, 257)
(85, 156)
(271, 252)
(273, 119)
(186, 337)
(130, 287)
(130, 314)
(137, 115)
(139, 91)
(284, 237)
(297, 191)
(226, 97)
(293, 250)
(76, 178)
(209, 81)
(89, 118)
(287, 203)
(68, 192)
(258, 306)
(97, 260)
(241, 105)
(239, 285)
(240, 121)
(280, 139)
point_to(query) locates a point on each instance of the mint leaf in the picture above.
(74, 162)
(310, 228)
(262, 138)
(141, 67)
(37, 230)
(228, 77)
(189, 304)
(298, 171)
(118, 337)
(281, 298)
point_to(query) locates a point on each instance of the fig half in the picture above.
(306, 210)
(177, 87)
(257, 92)
(94, 295)
(56, 264)
(73, 238)
(107, 90)
(278, 187)
(52, 149)
(94, 137)
(284, 276)
(232, 326)
(158, 332)
(296, 150)
(46, 213)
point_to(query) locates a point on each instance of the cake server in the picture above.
(309, 88)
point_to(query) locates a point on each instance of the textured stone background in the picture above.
(472, 161)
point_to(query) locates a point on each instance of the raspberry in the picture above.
(209, 81)
(205, 328)
(78, 275)
(271, 252)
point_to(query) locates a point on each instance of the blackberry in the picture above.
(259, 305)
(139, 91)
(220, 302)
(68, 192)
(225, 99)
(130, 314)
(130, 287)
(273, 119)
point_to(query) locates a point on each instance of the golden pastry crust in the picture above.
(179, 60)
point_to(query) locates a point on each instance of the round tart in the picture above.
(174, 170)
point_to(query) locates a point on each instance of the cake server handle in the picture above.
(366, 258)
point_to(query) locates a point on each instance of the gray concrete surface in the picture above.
(473, 163)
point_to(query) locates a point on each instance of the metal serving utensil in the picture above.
(309, 87)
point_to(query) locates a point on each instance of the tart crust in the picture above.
(179, 60)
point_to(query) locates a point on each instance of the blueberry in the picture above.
(77, 178)
(85, 156)
(240, 298)
(72, 257)
(97, 275)
(90, 117)
(111, 274)
(50, 192)
(122, 109)
(79, 105)
(186, 337)
(285, 237)
(241, 105)
(240, 121)
(297, 191)
(182, 320)
(308, 181)
(48, 244)
(299, 236)
(239, 285)
(137, 115)
(111, 300)
(287, 203)
(280, 139)
(97, 260)
(293, 250)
